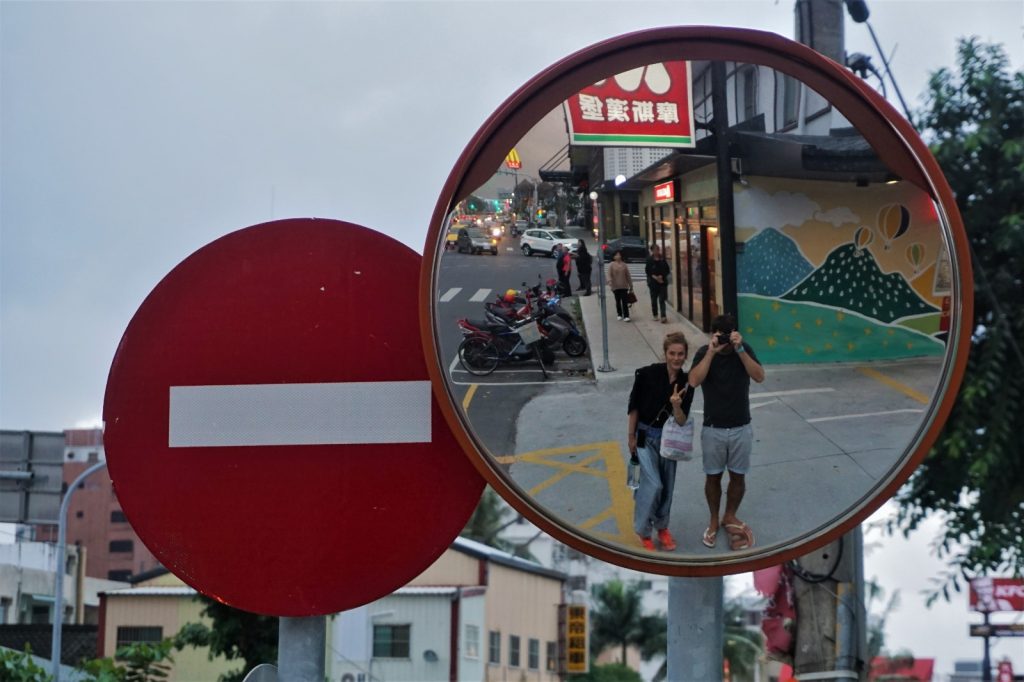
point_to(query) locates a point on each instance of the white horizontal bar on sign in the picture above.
(352, 413)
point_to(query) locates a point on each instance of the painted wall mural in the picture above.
(828, 274)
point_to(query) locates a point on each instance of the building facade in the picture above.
(476, 614)
(96, 523)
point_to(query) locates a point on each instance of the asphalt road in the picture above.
(493, 402)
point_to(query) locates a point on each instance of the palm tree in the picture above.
(618, 619)
(742, 646)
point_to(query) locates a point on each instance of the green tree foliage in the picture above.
(235, 634)
(610, 672)
(973, 121)
(19, 666)
(490, 518)
(617, 619)
(742, 645)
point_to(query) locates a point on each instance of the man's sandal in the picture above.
(740, 536)
(710, 537)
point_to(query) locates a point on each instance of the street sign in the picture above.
(997, 630)
(989, 594)
(270, 429)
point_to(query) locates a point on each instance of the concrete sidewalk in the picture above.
(824, 435)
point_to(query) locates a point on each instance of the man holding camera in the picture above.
(723, 369)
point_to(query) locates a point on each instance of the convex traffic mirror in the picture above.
(779, 188)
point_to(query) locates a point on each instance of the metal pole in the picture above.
(986, 661)
(58, 589)
(726, 214)
(885, 63)
(302, 649)
(601, 295)
(696, 632)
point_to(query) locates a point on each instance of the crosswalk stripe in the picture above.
(480, 295)
(450, 294)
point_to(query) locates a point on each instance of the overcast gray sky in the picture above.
(134, 133)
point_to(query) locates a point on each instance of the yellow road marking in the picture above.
(892, 383)
(566, 469)
(469, 397)
(614, 473)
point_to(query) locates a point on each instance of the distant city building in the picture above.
(96, 522)
(154, 608)
(476, 614)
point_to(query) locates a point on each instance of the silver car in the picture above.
(542, 240)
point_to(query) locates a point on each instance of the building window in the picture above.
(40, 615)
(131, 634)
(787, 101)
(122, 575)
(513, 651)
(552, 658)
(746, 93)
(494, 647)
(121, 545)
(533, 654)
(117, 516)
(472, 641)
(79, 514)
(94, 457)
(391, 641)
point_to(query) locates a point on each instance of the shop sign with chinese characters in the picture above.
(647, 106)
(573, 619)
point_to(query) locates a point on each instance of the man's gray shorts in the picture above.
(726, 449)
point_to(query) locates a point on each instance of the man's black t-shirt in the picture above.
(726, 389)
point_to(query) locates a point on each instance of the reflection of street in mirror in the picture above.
(840, 281)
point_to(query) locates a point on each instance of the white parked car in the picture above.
(542, 240)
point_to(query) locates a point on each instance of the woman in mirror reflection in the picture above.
(660, 392)
(621, 283)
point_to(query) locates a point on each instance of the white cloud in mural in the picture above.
(838, 216)
(759, 209)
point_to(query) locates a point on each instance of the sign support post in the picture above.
(301, 649)
(601, 293)
(695, 628)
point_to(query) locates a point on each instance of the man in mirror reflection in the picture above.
(660, 392)
(583, 264)
(723, 369)
(657, 271)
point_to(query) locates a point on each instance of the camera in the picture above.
(723, 338)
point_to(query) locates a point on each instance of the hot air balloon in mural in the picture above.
(915, 255)
(862, 237)
(893, 221)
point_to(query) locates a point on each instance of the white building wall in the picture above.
(472, 614)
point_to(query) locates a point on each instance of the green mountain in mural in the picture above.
(770, 264)
(851, 279)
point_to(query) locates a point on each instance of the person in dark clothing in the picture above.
(660, 392)
(723, 369)
(583, 264)
(563, 268)
(657, 271)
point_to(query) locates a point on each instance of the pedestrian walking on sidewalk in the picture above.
(563, 268)
(660, 392)
(658, 275)
(621, 283)
(723, 369)
(583, 264)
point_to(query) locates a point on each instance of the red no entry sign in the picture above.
(270, 428)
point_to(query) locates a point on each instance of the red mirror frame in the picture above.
(897, 143)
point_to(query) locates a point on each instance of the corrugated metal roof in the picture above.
(425, 591)
(156, 591)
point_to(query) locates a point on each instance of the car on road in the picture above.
(632, 248)
(520, 226)
(475, 240)
(542, 240)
